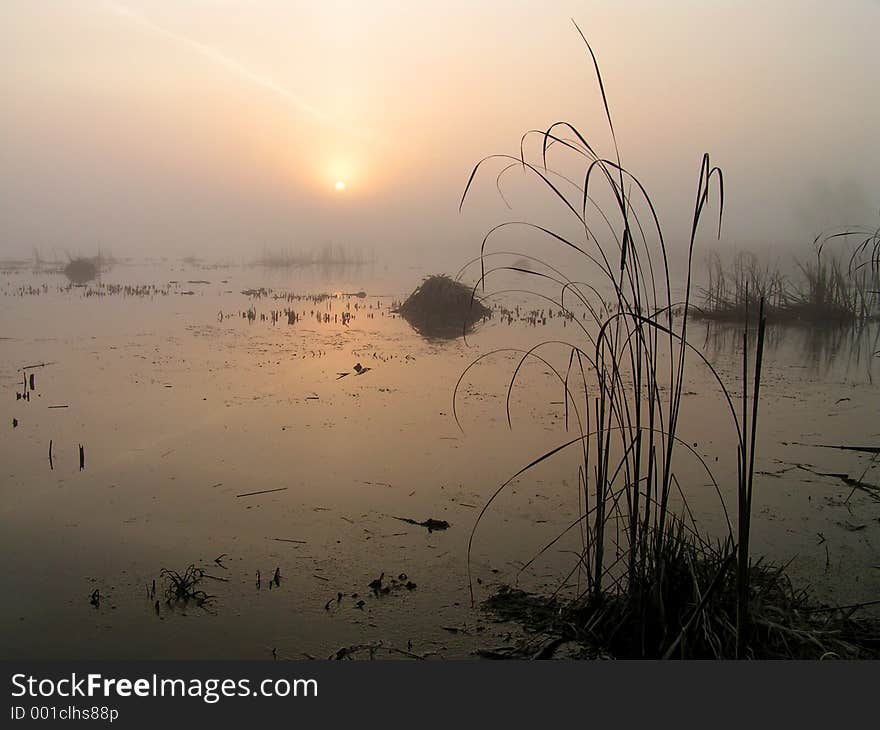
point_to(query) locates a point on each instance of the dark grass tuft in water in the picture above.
(81, 270)
(443, 307)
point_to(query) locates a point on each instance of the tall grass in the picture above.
(650, 574)
(825, 291)
(734, 289)
(829, 295)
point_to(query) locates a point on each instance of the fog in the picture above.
(219, 128)
(248, 413)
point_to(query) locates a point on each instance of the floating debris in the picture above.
(262, 491)
(430, 523)
(376, 585)
(215, 577)
(372, 650)
(37, 365)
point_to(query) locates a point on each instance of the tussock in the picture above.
(81, 270)
(443, 307)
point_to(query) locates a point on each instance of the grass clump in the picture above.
(183, 588)
(442, 307)
(690, 612)
(824, 291)
(646, 581)
(82, 270)
(734, 292)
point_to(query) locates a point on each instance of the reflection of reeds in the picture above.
(328, 255)
(846, 348)
(654, 585)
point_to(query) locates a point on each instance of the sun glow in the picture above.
(340, 186)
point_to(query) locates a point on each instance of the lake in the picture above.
(244, 445)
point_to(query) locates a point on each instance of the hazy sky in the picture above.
(220, 127)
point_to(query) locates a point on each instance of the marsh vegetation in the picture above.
(441, 307)
(830, 288)
(647, 580)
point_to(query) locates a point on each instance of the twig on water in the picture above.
(262, 491)
(38, 365)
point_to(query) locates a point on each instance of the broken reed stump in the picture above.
(82, 457)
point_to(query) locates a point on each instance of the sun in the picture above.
(340, 186)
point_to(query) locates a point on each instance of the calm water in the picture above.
(182, 406)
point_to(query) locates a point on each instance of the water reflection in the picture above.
(307, 445)
(829, 351)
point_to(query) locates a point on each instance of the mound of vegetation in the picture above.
(443, 307)
(81, 270)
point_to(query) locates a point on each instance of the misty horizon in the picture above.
(220, 129)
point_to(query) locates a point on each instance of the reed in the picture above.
(735, 289)
(183, 588)
(825, 290)
(653, 584)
